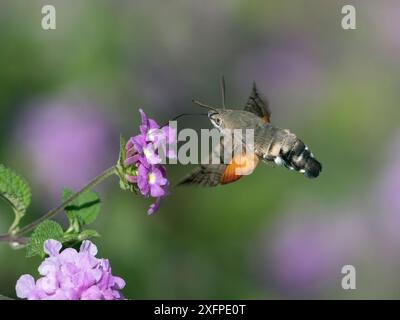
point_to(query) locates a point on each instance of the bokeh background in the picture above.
(67, 94)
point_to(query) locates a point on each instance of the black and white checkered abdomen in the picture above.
(301, 159)
(285, 149)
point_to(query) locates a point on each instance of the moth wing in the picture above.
(258, 105)
(241, 165)
(206, 175)
(211, 175)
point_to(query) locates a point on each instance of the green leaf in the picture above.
(120, 168)
(16, 192)
(122, 150)
(48, 229)
(83, 210)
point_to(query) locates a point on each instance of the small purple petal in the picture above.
(146, 123)
(150, 154)
(52, 247)
(25, 286)
(159, 176)
(143, 116)
(144, 175)
(93, 293)
(88, 246)
(129, 145)
(139, 142)
(68, 255)
(48, 266)
(157, 191)
(119, 283)
(157, 136)
(47, 284)
(131, 152)
(153, 124)
(154, 207)
(59, 295)
(131, 160)
(170, 134)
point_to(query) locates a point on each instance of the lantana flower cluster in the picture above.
(71, 275)
(143, 153)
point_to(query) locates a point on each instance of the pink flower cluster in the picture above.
(71, 275)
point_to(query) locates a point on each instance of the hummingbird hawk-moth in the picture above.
(271, 144)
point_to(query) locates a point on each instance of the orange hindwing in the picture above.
(241, 165)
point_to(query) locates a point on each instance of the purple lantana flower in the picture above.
(151, 181)
(143, 159)
(71, 275)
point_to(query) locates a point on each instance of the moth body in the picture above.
(271, 144)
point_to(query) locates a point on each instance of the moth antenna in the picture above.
(188, 114)
(203, 105)
(182, 115)
(223, 91)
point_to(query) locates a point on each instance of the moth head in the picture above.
(215, 115)
(216, 119)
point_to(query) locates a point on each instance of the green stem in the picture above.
(17, 217)
(16, 241)
(10, 237)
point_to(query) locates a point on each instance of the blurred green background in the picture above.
(66, 94)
